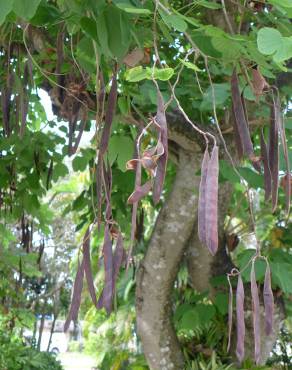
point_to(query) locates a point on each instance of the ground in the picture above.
(76, 361)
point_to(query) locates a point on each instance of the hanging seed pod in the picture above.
(240, 319)
(255, 315)
(76, 297)
(240, 117)
(211, 207)
(268, 302)
(267, 171)
(87, 266)
(230, 313)
(202, 199)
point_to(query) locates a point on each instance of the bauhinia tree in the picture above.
(189, 102)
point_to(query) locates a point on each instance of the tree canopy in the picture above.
(163, 176)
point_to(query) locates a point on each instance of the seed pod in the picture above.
(240, 319)
(268, 302)
(267, 171)
(255, 315)
(211, 208)
(202, 199)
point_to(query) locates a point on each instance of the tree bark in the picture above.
(159, 268)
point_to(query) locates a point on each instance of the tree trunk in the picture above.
(159, 268)
(41, 329)
(52, 331)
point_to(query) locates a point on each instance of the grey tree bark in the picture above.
(161, 263)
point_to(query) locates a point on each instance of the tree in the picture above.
(166, 85)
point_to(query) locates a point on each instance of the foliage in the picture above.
(15, 355)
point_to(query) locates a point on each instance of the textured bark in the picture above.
(160, 266)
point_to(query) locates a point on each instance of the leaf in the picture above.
(79, 163)
(255, 315)
(129, 8)
(240, 326)
(162, 74)
(271, 42)
(163, 139)
(211, 207)
(240, 119)
(208, 4)
(6, 7)
(258, 82)
(190, 65)
(87, 266)
(202, 199)
(284, 3)
(140, 192)
(25, 9)
(118, 31)
(268, 302)
(174, 20)
(76, 297)
(89, 27)
(136, 74)
(267, 171)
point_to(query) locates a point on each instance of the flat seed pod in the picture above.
(267, 171)
(87, 266)
(211, 208)
(280, 125)
(202, 198)
(230, 314)
(76, 296)
(259, 83)
(140, 192)
(108, 268)
(268, 302)
(240, 327)
(255, 315)
(240, 117)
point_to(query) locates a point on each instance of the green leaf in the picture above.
(121, 148)
(190, 320)
(175, 21)
(139, 73)
(6, 7)
(26, 9)
(282, 3)
(221, 302)
(163, 74)
(79, 163)
(282, 276)
(271, 42)
(89, 27)
(190, 65)
(254, 179)
(268, 40)
(136, 74)
(129, 8)
(118, 31)
(208, 4)
(60, 170)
